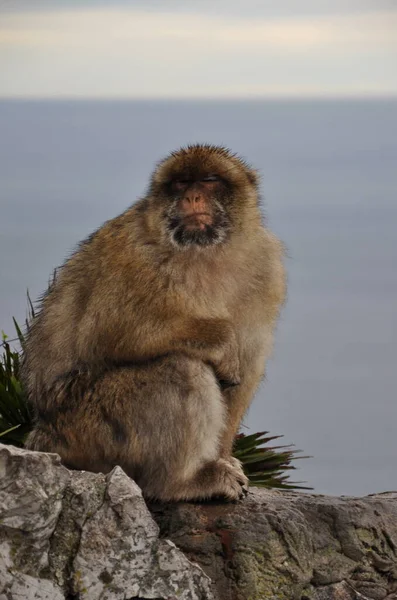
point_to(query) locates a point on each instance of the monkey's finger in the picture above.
(242, 479)
(244, 489)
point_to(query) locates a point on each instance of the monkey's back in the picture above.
(88, 287)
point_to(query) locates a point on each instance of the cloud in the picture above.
(116, 52)
(247, 9)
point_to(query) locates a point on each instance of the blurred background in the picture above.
(93, 93)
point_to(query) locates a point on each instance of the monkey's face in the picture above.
(200, 190)
(196, 213)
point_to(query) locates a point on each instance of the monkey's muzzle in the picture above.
(197, 221)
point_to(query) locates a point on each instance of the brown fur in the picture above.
(124, 360)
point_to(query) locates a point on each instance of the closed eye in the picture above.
(180, 184)
(211, 178)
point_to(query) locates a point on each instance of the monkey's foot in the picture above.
(217, 479)
(237, 465)
(230, 481)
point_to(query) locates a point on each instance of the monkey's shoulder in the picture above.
(114, 232)
(267, 266)
(270, 244)
(111, 247)
(264, 248)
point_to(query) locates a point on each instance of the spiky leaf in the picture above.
(266, 466)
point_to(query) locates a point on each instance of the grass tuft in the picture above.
(267, 466)
(15, 412)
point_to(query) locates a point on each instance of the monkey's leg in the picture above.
(179, 459)
(161, 422)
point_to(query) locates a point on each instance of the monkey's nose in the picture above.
(193, 199)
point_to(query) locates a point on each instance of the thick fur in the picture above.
(124, 360)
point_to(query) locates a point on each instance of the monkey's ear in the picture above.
(253, 177)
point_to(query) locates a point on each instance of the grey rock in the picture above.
(290, 546)
(70, 534)
(73, 534)
(31, 491)
(120, 554)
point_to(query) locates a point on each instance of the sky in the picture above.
(197, 48)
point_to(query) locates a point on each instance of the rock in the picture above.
(31, 491)
(71, 534)
(67, 534)
(289, 545)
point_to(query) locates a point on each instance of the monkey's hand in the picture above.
(225, 385)
(214, 342)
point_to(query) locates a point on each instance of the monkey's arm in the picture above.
(146, 333)
(213, 341)
(256, 332)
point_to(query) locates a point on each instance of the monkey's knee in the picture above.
(192, 469)
(202, 412)
(188, 421)
(207, 413)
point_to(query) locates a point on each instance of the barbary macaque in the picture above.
(153, 338)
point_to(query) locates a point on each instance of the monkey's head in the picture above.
(202, 194)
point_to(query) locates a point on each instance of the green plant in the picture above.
(15, 413)
(265, 466)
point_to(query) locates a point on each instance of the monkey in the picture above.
(149, 345)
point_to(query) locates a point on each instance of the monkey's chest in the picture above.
(207, 293)
(215, 290)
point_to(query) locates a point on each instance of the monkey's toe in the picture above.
(231, 482)
(238, 469)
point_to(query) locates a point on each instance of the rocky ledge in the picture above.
(78, 535)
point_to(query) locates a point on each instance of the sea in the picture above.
(329, 191)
